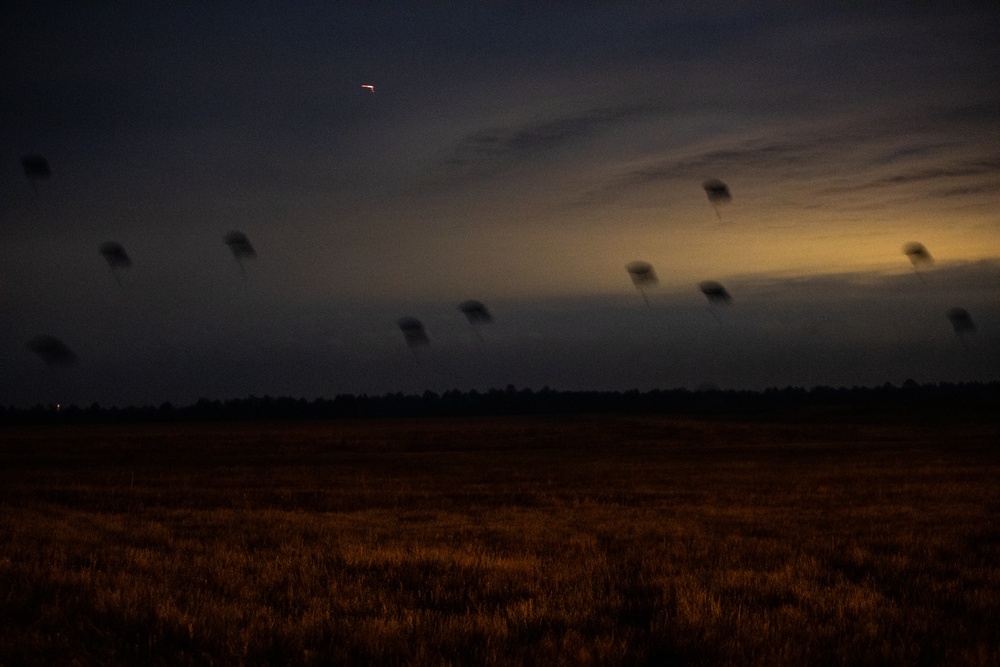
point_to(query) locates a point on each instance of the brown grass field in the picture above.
(602, 540)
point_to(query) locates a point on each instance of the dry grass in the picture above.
(601, 540)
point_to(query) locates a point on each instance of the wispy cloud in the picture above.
(856, 157)
(493, 147)
(758, 156)
(986, 188)
(957, 170)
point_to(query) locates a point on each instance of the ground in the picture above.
(604, 539)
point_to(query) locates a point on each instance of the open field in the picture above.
(590, 540)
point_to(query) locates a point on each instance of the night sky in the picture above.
(520, 154)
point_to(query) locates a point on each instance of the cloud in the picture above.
(957, 170)
(750, 155)
(830, 157)
(910, 151)
(492, 147)
(986, 188)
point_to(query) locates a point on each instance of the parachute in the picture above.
(53, 351)
(642, 275)
(716, 293)
(413, 331)
(918, 256)
(240, 246)
(36, 168)
(117, 259)
(477, 313)
(718, 193)
(962, 323)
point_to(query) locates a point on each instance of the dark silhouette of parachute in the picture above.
(240, 246)
(918, 256)
(718, 193)
(117, 259)
(642, 275)
(477, 314)
(36, 168)
(413, 331)
(52, 351)
(716, 293)
(475, 311)
(961, 320)
(962, 323)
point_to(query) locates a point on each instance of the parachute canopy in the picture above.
(715, 292)
(475, 311)
(117, 259)
(240, 245)
(917, 253)
(642, 273)
(52, 351)
(413, 331)
(35, 167)
(717, 191)
(115, 255)
(961, 321)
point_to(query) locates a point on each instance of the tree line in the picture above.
(942, 399)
